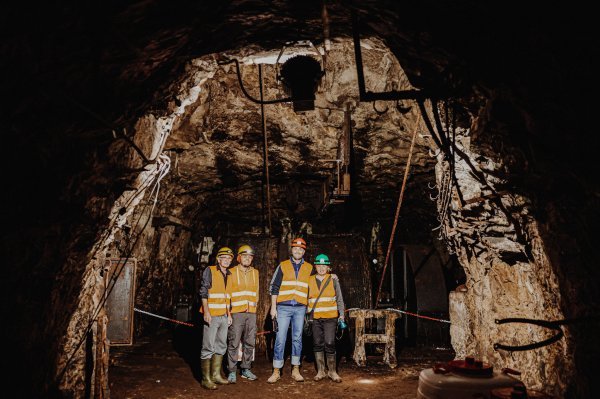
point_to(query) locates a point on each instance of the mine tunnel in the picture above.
(439, 153)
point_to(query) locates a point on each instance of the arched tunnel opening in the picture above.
(436, 156)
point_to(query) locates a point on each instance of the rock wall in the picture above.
(497, 237)
(143, 164)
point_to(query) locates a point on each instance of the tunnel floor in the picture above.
(167, 366)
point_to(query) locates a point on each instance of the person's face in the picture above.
(297, 253)
(224, 260)
(246, 259)
(322, 269)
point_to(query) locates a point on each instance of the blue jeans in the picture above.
(285, 315)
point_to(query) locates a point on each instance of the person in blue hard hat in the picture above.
(326, 302)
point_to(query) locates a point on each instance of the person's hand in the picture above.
(229, 320)
(207, 318)
(342, 318)
(334, 276)
(273, 313)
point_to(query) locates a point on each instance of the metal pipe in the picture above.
(266, 147)
(392, 282)
(367, 96)
(400, 198)
(358, 56)
(405, 287)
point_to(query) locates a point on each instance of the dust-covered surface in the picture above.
(166, 366)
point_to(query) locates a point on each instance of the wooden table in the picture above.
(361, 338)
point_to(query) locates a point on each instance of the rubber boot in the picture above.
(207, 381)
(332, 373)
(296, 376)
(275, 376)
(320, 360)
(215, 367)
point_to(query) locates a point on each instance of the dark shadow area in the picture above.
(187, 342)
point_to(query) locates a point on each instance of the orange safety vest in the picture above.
(219, 298)
(327, 306)
(244, 290)
(292, 287)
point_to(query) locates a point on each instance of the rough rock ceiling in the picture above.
(217, 147)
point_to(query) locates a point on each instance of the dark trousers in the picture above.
(324, 335)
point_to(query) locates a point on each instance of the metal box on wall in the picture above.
(120, 288)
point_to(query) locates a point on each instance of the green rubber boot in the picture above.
(215, 367)
(207, 381)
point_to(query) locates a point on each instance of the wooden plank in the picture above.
(101, 389)
(375, 338)
(360, 356)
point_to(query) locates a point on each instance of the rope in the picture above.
(163, 318)
(410, 314)
(181, 322)
(387, 256)
(421, 316)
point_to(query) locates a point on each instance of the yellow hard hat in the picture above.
(225, 251)
(246, 249)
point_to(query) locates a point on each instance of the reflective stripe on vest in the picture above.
(218, 297)
(293, 288)
(244, 290)
(327, 306)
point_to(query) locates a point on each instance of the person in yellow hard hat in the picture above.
(289, 297)
(216, 301)
(244, 298)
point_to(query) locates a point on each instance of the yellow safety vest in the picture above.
(219, 298)
(244, 290)
(326, 308)
(292, 287)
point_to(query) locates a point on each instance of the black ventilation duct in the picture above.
(300, 76)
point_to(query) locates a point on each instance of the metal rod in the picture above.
(400, 198)
(338, 177)
(265, 148)
(392, 282)
(405, 293)
(358, 56)
(367, 96)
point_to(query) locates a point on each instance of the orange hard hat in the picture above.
(299, 242)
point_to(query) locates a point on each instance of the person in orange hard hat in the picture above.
(289, 297)
(216, 301)
(244, 298)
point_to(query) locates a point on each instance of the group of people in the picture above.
(229, 302)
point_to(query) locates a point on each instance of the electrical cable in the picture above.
(163, 170)
(248, 96)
